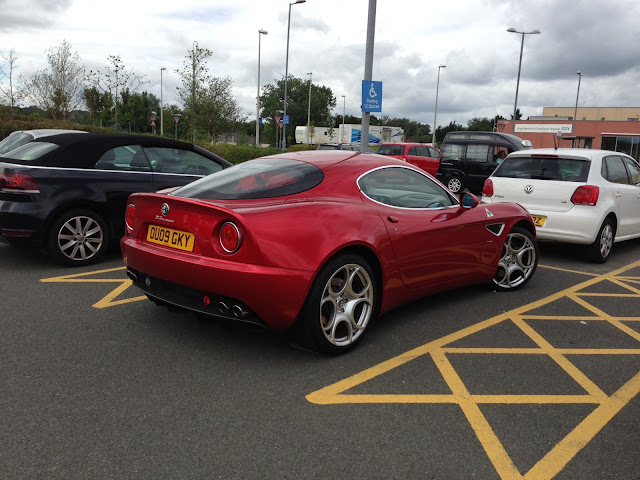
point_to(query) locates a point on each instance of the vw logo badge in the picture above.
(528, 189)
(165, 209)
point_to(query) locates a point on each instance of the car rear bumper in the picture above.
(580, 224)
(264, 295)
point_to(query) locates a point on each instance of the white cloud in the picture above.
(327, 37)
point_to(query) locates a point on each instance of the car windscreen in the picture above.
(31, 151)
(262, 178)
(14, 140)
(391, 150)
(544, 168)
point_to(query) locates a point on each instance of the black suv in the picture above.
(468, 158)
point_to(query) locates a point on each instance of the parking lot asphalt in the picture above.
(541, 383)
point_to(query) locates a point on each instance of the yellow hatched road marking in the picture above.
(524, 318)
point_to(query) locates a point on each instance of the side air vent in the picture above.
(496, 228)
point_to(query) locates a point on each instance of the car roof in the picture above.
(78, 150)
(584, 153)
(407, 143)
(45, 132)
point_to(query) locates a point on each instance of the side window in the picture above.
(127, 158)
(451, 151)
(413, 151)
(433, 153)
(478, 153)
(615, 170)
(176, 160)
(634, 170)
(405, 188)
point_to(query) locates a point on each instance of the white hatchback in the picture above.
(582, 196)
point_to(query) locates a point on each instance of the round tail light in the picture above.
(130, 216)
(230, 237)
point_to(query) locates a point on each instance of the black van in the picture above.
(468, 158)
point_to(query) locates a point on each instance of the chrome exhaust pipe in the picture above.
(239, 311)
(223, 307)
(132, 276)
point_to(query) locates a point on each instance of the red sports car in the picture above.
(323, 241)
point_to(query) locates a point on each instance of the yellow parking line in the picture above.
(554, 461)
(524, 318)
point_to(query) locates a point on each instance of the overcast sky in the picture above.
(600, 38)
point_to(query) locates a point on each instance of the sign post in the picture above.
(176, 120)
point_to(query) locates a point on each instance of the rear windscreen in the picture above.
(31, 151)
(262, 178)
(544, 168)
(391, 150)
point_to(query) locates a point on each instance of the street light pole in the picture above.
(515, 105)
(286, 75)
(342, 129)
(161, 104)
(193, 96)
(309, 111)
(575, 112)
(260, 33)
(435, 112)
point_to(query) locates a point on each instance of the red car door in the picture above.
(434, 240)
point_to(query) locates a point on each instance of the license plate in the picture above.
(538, 220)
(171, 238)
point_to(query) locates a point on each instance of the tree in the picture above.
(9, 94)
(477, 124)
(195, 79)
(518, 114)
(442, 131)
(115, 80)
(59, 88)
(322, 102)
(218, 109)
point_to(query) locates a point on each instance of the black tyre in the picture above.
(518, 260)
(600, 250)
(78, 237)
(343, 301)
(455, 184)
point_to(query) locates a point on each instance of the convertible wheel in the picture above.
(78, 237)
(518, 260)
(600, 249)
(341, 304)
(455, 184)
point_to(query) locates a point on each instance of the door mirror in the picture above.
(468, 200)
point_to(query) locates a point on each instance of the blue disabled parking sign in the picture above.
(371, 96)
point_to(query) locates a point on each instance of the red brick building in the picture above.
(543, 132)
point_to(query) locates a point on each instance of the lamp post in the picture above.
(575, 112)
(286, 75)
(309, 110)
(435, 112)
(193, 95)
(260, 33)
(515, 105)
(342, 129)
(161, 104)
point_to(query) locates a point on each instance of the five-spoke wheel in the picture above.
(518, 260)
(341, 304)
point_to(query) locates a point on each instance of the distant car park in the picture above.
(67, 193)
(344, 146)
(421, 155)
(580, 196)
